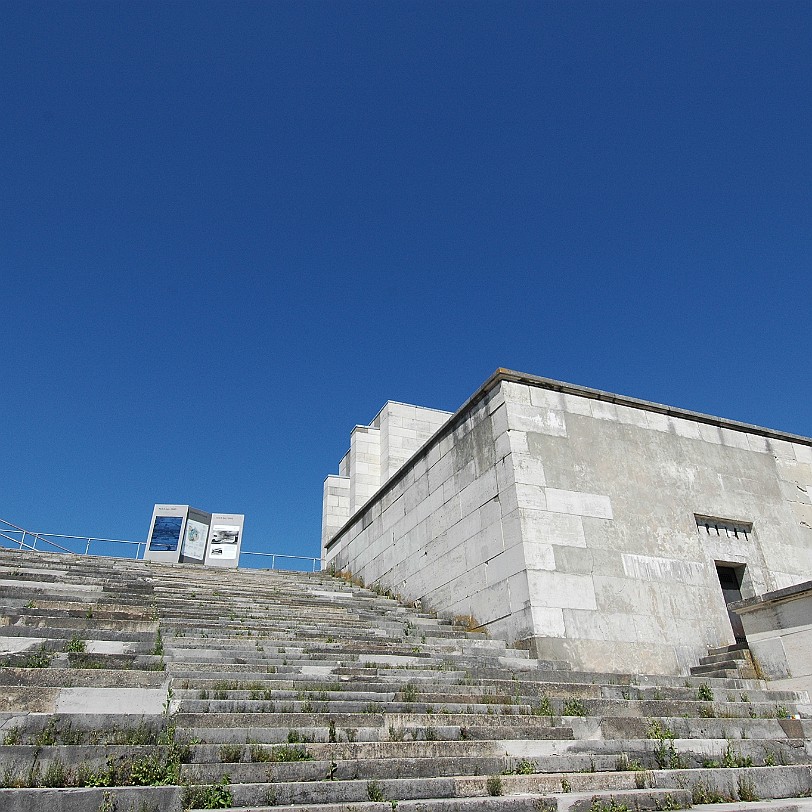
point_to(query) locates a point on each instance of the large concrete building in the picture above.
(589, 527)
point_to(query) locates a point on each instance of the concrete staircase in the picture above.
(726, 662)
(135, 687)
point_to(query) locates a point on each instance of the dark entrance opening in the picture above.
(730, 579)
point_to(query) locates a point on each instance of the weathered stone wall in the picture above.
(376, 452)
(566, 519)
(439, 532)
(404, 429)
(335, 506)
(779, 632)
(609, 493)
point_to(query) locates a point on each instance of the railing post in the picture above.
(34, 544)
(87, 547)
(22, 539)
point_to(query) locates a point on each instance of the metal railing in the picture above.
(13, 536)
(315, 563)
(59, 542)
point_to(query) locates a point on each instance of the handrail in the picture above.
(274, 556)
(27, 540)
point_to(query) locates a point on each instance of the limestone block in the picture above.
(794, 493)
(480, 491)
(533, 418)
(444, 517)
(501, 445)
(735, 439)
(511, 527)
(519, 592)
(670, 570)
(631, 416)
(147, 701)
(722, 548)
(556, 589)
(440, 471)
(798, 650)
(771, 657)
(446, 444)
(515, 392)
(793, 471)
(451, 490)
(803, 453)
(499, 421)
(484, 546)
(575, 404)
(657, 421)
(463, 476)
(420, 468)
(621, 595)
(548, 621)
(489, 513)
(446, 568)
(648, 629)
(540, 556)
(15, 645)
(416, 493)
(505, 483)
(533, 497)
(685, 428)
(547, 398)
(528, 469)
(491, 603)
(803, 514)
(507, 563)
(552, 528)
(710, 434)
(429, 506)
(576, 560)
(586, 625)
(518, 441)
(108, 647)
(417, 537)
(581, 504)
(603, 410)
(459, 590)
(394, 513)
(495, 399)
(595, 655)
(758, 443)
(781, 448)
(466, 528)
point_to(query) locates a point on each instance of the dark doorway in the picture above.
(730, 579)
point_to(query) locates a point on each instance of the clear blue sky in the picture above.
(230, 231)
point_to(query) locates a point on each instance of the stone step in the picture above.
(735, 655)
(436, 692)
(221, 701)
(790, 781)
(572, 802)
(285, 682)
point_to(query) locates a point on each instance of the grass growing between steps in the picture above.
(158, 768)
(208, 796)
(57, 732)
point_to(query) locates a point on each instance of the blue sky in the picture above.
(230, 231)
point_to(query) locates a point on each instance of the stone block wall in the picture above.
(404, 429)
(376, 452)
(439, 531)
(779, 633)
(609, 492)
(570, 521)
